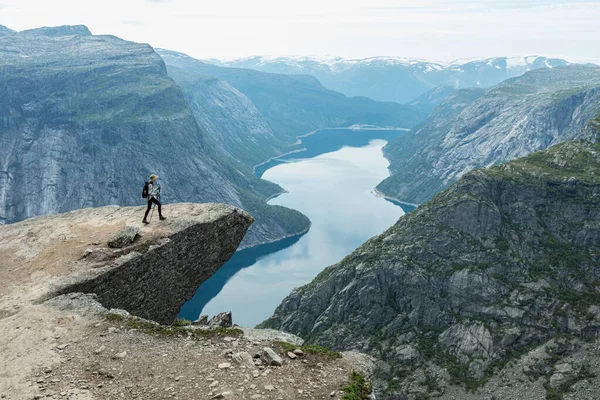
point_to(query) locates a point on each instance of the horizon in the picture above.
(440, 31)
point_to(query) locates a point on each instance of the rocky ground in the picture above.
(69, 346)
(113, 357)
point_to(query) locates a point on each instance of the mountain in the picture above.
(400, 80)
(64, 30)
(491, 286)
(473, 128)
(429, 100)
(5, 31)
(297, 104)
(86, 119)
(235, 123)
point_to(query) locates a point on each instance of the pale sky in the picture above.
(441, 30)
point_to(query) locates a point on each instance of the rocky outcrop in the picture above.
(473, 129)
(85, 119)
(499, 263)
(151, 277)
(59, 342)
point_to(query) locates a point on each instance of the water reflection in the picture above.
(330, 140)
(335, 190)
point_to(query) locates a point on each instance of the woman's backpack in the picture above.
(145, 190)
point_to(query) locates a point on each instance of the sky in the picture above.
(438, 30)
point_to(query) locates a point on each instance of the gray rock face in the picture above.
(222, 320)
(498, 263)
(473, 129)
(202, 321)
(235, 123)
(86, 119)
(155, 284)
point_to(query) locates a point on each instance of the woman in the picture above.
(153, 196)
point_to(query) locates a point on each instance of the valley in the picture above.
(393, 228)
(332, 188)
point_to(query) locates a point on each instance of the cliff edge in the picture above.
(151, 277)
(75, 286)
(150, 271)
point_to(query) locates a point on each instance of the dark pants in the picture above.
(152, 200)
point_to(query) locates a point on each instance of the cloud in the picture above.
(426, 29)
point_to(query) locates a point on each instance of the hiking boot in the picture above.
(162, 218)
(145, 222)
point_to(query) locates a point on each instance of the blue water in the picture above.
(335, 190)
(328, 140)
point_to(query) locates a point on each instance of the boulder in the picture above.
(222, 320)
(124, 237)
(271, 357)
(244, 358)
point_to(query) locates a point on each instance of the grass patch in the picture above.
(115, 317)
(553, 394)
(318, 350)
(178, 328)
(181, 322)
(358, 388)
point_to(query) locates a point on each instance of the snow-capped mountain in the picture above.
(393, 78)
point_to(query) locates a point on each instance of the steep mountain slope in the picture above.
(429, 100)
(238, 128)
(503, 261)
(297, 104)
(396, 79)
(525, 114)
(85, 119)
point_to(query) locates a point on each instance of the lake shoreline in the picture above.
(354, 128)
(336, 193)
(394, 200)
(281, 239)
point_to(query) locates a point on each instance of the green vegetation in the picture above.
(312, 349)
(181, 322)
(576, 159)
(358, 388)
(112, 317)
(553, 394)
(431, 384)
(178, 327)
(559, 392)
(294, 222)
(430, 349)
